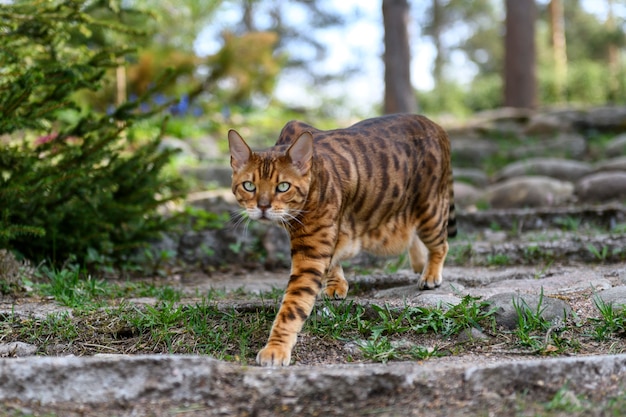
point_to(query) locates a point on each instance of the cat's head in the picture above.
(272, 185)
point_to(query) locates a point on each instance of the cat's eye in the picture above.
(283, 186)
(249, 186)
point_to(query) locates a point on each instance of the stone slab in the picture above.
(234, 388)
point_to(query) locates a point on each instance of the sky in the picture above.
(360, 43)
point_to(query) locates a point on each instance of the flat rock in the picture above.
(615, 296)
(471, 176)
(616, 147)
(609, 118)
(471, 335)
(444, 296)
(472, 150)
(442, 301)
(545, 123)
(604, 216)
(486, 282)
(602, 187)
(567, 248)
(463, 282)
(550, 286)
(502, 121)
(561, 169)
(546, 375)
(565, 145)
(36, 310)
(612, 164)
(354, 389)
(507, 306)
(529, 191)
(17, 349)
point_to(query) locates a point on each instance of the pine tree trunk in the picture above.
(520, 85)
(399, 95)
(559, 49)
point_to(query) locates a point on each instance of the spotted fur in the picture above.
(383, 185)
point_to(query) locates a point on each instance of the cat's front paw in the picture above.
(274, 355)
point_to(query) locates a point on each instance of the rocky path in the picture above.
(493, 383)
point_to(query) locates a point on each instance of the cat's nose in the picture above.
(263, 206)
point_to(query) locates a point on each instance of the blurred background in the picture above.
(328, 58)
(111, 109)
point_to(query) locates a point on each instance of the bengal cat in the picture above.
(382, 185)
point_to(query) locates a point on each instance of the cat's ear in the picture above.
(239, 150)
(301, 152)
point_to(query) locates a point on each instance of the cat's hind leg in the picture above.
(433, 235)
(432, 275)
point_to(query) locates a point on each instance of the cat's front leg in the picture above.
(336, 285)
(305, 283)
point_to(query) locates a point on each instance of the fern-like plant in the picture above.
(69, 180)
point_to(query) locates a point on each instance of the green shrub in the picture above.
(69, 180)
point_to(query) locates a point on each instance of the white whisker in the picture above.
(238, 218)
(292, 217)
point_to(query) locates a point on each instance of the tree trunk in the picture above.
(613, 56)
(559, 49)
(399, 95)
(248, 15)
(439, 58)
(520, 85)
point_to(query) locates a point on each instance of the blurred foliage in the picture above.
(248, 63)
(478, 33)
(70, 183)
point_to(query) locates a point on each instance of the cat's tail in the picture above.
(451, 210)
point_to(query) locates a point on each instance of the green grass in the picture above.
(531, 325)
(565, 400)
(57, 325)
(104, 320)
(381, 332)
(537, 333)
(200, 328)
(569, 223)
(74, 288)
(103, 324)
(612, 320)
(385, 333)
(600, 254)
(498, 259)
(378, 349)
(337, 320)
